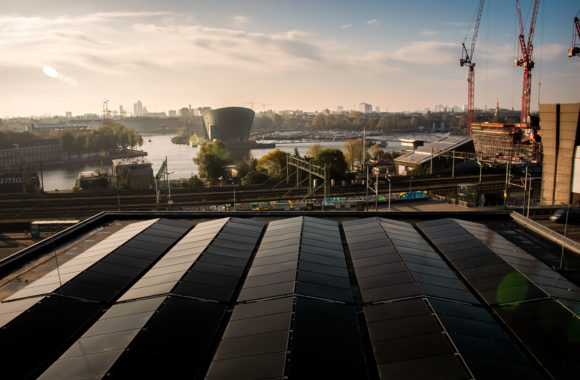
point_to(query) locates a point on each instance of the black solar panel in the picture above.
(494, 280)
(176, 343)
(36, 338)
(93, 284)
(549, 331)
(408, 342)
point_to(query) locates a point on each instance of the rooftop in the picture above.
(424, 153)
(277, 295)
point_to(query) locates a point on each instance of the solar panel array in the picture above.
(295, 315)
(295, 298)
(549, 331)
(45, 329)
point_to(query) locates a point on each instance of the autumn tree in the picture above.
(212, 159)
(273, 164)
(354, 150)
(334, 161)
(312, 151)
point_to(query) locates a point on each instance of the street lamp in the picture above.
(389, 179)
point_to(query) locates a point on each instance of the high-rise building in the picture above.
(365, 108)
(68, 115)
(138, 108)
(340, 109)
(378, 109)
(172, 113)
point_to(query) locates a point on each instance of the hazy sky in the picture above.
(70, 55)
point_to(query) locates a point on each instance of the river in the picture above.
(180, 158)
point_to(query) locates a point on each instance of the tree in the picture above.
(212, 160)
(67, 142)
(377, 153)
(273, 164)
(312, 151)
(354, 152)
(334, 161)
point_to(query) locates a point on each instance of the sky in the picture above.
(400, 55)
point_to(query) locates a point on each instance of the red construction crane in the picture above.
(575, 50)
(526, 60)
(466, 60)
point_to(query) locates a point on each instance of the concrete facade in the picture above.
(559, 123)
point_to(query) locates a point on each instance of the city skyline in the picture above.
(274, 55)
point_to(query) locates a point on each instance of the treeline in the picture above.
(22, 138)
(386, 122)
(109, 137)
(213, 159)
(270, 121)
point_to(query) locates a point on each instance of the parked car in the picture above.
(559, 215)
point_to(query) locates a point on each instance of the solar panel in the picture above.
(549, 280)
(403, 335)
(176, 342)
(55, 278)
(494, 280)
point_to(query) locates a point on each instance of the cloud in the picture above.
(373, 22)
(550, 52)
(346, 26)
(428, 32)
(133, 43)
(240, 21)
(427, 52)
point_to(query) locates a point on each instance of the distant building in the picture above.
(230, 124)
(184, 112)
(16, 156)
(134, 173)
(172, 113)
(200, 111)
(138, 108)
(365, 108)
(424, 156)
(68, 115)
(340, 109)
(122, 111)
(378, 109)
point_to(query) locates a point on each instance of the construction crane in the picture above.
(575, 49)
(106, 111)
(526, 60)
(466, 60)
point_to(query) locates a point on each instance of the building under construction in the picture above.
(498, 143)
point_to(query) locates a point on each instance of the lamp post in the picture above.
(389, 179)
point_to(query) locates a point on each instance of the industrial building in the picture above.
(230, 124)
(18, 156)
(560, 166)
(435, 157)
(133, 173)
(288, 296)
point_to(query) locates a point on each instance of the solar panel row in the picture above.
(170, 309)
(550, 332)
(139, 320)
(419, 337)
(39, 336)
(295, 317)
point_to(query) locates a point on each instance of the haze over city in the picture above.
(397, 55)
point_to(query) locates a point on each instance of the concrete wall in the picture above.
(559, 123)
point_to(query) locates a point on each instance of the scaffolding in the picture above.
(497, 143)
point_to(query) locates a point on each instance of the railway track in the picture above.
(79, 205)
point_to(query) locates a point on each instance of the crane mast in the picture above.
(466, 60)
(526, 60)
(575, 50)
